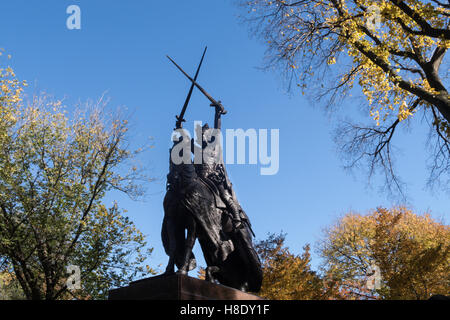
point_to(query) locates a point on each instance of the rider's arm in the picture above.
(218, 118)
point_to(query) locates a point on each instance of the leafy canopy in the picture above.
(394, 51)
(411, 252)
(288, 276)
(54, 174)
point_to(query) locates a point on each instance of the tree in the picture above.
(54, 173)
(9, 287)
(394, 50)
(411, 252)
(288, 276)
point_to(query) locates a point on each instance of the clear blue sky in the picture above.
(121, 49)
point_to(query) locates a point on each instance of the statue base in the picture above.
(177, 287)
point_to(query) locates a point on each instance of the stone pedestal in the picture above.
(177, 287)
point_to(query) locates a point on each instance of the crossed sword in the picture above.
(214, 103)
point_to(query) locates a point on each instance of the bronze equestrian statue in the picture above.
(200, 200)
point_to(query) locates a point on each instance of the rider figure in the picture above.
(179, 174)
(210, 167)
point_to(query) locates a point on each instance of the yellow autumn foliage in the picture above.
(412, 252)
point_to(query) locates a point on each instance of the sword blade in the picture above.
(207, 95)
(188, 98)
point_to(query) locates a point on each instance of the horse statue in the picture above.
(193, 210)
(200, 204)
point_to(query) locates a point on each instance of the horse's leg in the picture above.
(244, 287)
(171, 234)
(209, 273)
(189, 244)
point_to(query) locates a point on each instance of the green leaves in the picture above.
(54, 172)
